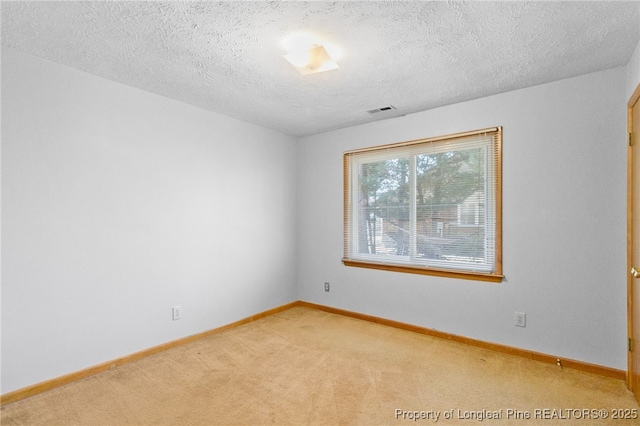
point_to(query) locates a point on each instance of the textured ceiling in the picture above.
(226, 56)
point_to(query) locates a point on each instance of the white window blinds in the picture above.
(425, 206)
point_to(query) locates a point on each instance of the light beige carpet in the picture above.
(304, 366)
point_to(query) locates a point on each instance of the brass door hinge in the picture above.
(630, 139)
(630, 344)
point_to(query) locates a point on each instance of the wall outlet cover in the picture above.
(176, 312)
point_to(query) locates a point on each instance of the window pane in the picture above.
(450, 190)
(383, 208)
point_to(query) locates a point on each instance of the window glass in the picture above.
(430, 204)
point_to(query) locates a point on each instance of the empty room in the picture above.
(286, 212)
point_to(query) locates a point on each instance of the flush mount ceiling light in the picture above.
(308, 55)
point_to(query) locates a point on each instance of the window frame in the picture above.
(348, 259)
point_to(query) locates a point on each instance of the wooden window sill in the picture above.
(477, 276)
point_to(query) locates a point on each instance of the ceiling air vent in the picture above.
(387, 108)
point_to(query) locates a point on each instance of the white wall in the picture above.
(564, 223)
(118, 204)
(633, 71)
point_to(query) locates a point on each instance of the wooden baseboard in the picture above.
(535, 356)
(38, 388)
(32, 390)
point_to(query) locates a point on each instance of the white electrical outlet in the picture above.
(521, 319)
(327, 286)
(177, 312)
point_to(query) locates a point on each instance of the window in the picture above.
(431, 206)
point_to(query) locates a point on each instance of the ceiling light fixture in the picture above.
(308, 55)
